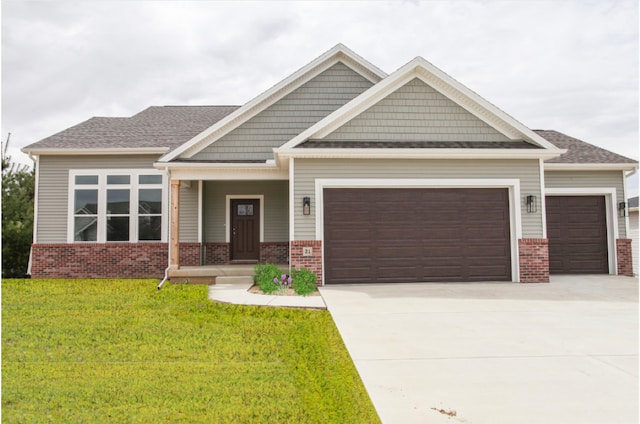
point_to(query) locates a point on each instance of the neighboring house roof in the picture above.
(157, 128)
(580, 152)
(633, 202)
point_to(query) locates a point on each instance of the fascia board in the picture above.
(590, 166)
(338, 53)
(455, 91)
(106, 151)
(373, 153)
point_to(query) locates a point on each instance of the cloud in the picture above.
(570, 65)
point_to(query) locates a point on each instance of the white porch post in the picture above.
(174, 237)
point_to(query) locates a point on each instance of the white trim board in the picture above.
(227, 213)
(513, 186)
(611, 203)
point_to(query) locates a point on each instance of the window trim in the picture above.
(134, 186)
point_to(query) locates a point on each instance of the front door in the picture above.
(245, 230)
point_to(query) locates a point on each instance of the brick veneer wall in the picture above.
(625, 257)
(274, 252)
(216, 253)
(189, 254)
(99, 260)
(313, 262)
(534, 260)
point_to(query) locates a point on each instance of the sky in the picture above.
(571, 66)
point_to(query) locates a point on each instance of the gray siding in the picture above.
(255, 139)
(588, 179)
(416, 112)
(53, 188)
(276, 207)
(189, 212)
(307, 170)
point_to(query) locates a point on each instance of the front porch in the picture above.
(212, 274)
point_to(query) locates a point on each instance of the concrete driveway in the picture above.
(564, 352)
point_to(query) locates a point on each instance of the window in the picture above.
(116, 206)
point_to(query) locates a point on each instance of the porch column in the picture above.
(174, 237)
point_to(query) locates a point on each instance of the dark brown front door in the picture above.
(577, 231)
(416, 235)
(245, 230)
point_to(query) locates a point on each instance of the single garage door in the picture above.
(416, 235)
(577, 231)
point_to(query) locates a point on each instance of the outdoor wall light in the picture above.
(306, 206)
(622, 209)
(532, 206)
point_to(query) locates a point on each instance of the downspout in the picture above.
(166, 271)
(36, 175)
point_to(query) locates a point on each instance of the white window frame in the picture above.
(134, 186)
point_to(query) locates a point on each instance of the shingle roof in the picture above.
(579, 151)
(156, 126)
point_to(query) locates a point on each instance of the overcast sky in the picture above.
(566, 65)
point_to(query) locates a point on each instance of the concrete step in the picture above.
(226, 279)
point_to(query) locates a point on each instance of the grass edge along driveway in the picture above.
(121, 351)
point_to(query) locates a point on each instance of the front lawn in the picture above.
(121, 351)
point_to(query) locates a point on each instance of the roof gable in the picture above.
(339, 53)
(416, 112)
(442, 83)
(256, 138)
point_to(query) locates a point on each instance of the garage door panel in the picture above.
(577, 232)
(418, 235)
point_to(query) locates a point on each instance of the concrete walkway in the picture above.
(564, 352)
(230, 291)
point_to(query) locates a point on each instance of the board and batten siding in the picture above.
(308, 170)
(276, 207)
(416, 112)
(590, 179)
(53, 188)
(288, 117)
(189, 211)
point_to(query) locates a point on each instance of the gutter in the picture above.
(166, 271)
(36, 175)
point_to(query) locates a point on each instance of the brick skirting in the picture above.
(625, 257)
(276, 252)
(312, 262)
(534, 260)
(99, 260)
(216, 253)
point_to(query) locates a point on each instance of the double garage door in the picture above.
(380, 235)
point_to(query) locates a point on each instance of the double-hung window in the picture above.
(116, 206)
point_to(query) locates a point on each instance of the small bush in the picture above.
(265, 276)
(304, 281)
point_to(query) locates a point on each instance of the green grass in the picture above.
(121, 351)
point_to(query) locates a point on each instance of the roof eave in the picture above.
(95, 151)
(417, 153)
(591, 166)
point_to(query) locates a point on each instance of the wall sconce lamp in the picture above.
(306, 206)
(622, 209)
(532, 205)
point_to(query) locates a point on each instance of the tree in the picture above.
(17, 215)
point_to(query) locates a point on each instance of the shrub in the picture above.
(304, 281)
(265, 276)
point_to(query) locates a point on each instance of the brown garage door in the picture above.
(416, 235)
(577, 231)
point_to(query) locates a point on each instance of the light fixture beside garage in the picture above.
(306, 206)
(622, 209)
(532, 205)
